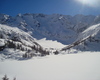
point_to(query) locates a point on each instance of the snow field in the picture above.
(50, 44)
(83, 66)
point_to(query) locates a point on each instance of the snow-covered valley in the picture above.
(29, 42)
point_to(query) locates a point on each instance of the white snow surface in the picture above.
(50, 43)
(82, 66)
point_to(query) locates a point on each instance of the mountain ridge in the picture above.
(63, 28)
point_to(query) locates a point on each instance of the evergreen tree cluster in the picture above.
(35, 51)
(6, 78)
(30, 50)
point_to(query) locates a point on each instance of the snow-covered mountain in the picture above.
(13, 40)
(92, 36)
(19, 40)
(63, 28)
(88, 40)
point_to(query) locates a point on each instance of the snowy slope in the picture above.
(14, 40)
(83, 66)
(63, 28)
(92, 43)
(88, 40)
(91, 31)
(15, 34)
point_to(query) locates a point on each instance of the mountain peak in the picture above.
(63, 28)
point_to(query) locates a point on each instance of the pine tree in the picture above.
(56, 52)
(5, 78)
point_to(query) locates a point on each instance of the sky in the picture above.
(66, 7)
